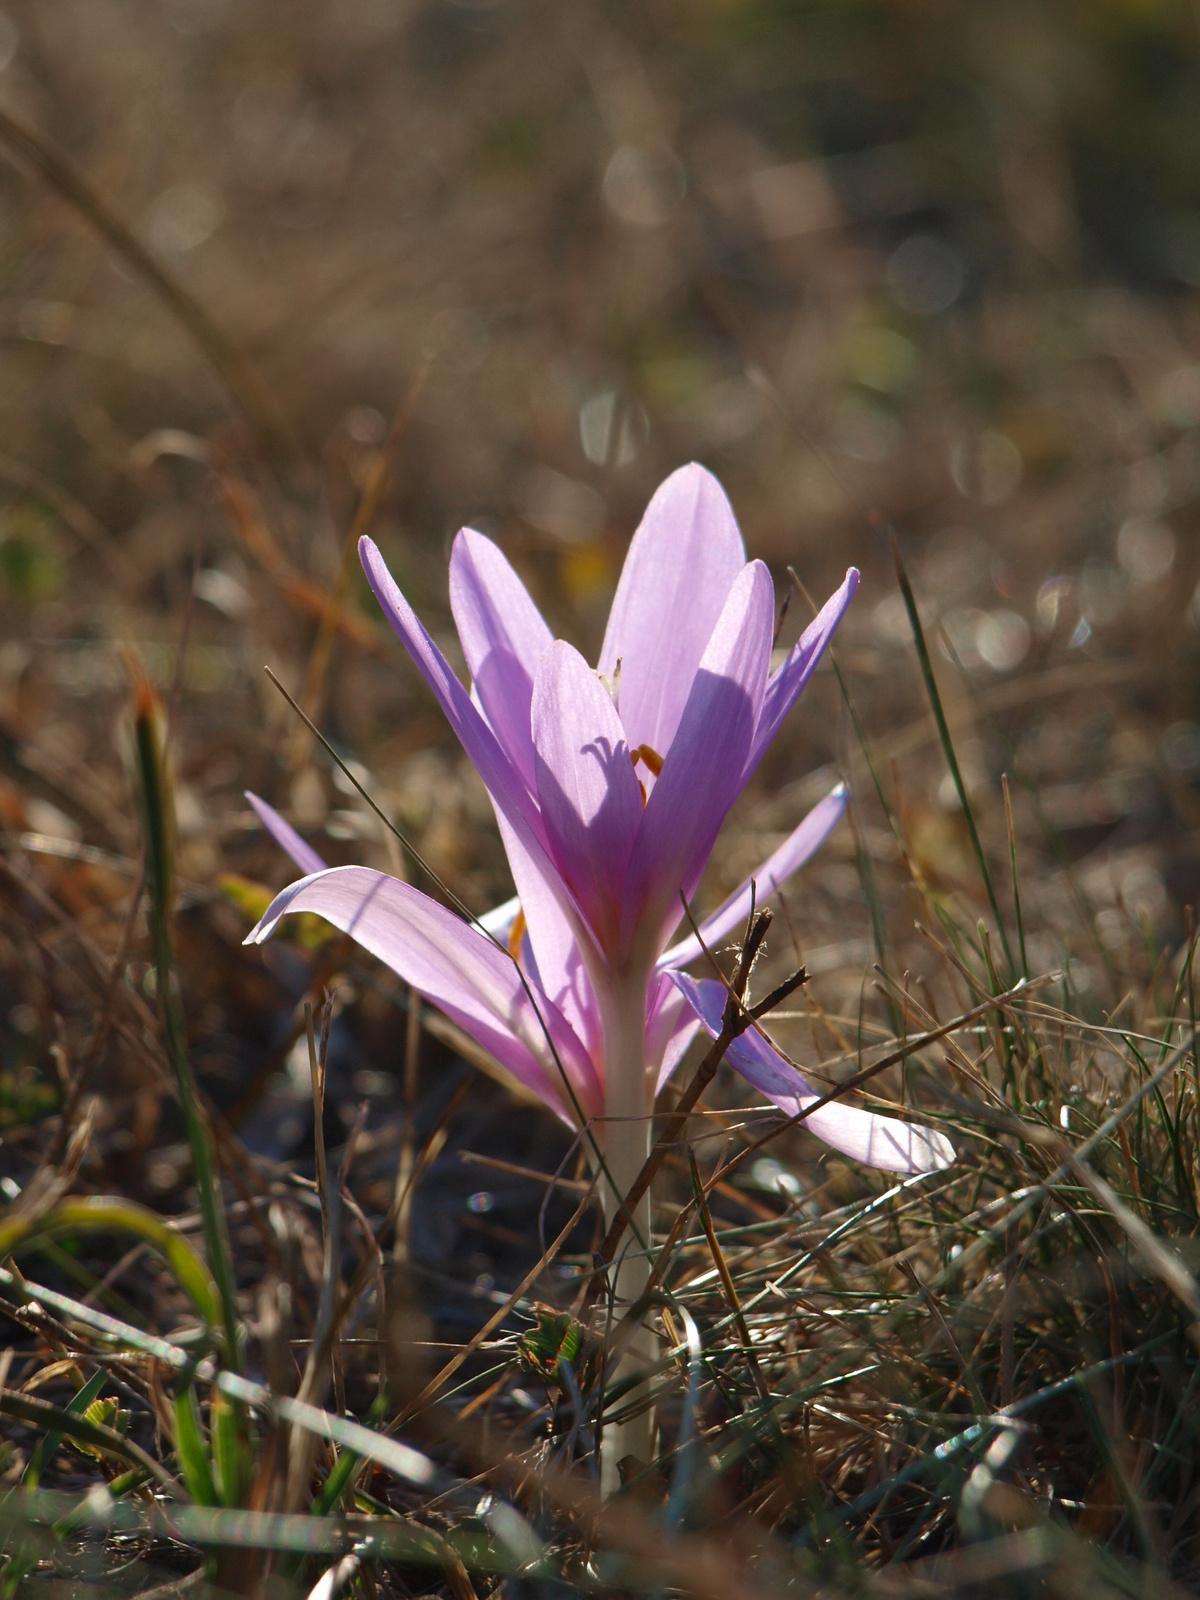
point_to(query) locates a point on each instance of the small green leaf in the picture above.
(556, 1338)
(31, 568)
(249, 897)
(191, 1448)
(106, 1414)
(77, 1405)
(310, 932)
(24, 1098)
(81, 1430)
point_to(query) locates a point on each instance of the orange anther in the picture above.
(649, 756)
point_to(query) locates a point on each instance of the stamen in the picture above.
(612, 682)
(515, 934)
(650, 756)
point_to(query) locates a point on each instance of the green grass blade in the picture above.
(329, 1495)
(389, 1538)
(99, 1214)
(1016, 877)
(340, 1477)
(862, 855)
(160, 880)
(230, 1449)
(406, 1463)
(191, 1448)
(78, 1516)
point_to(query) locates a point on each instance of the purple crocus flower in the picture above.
(609, 787)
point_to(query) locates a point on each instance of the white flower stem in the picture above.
(627, 1108)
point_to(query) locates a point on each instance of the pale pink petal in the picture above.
(759, 886)
(551, 945)
(590, 801)
(477, 739)
(680, 568)
(501, 775)
(671, 1025)
(503, 637)
(790, 679)
(702, 773)
(458, 969)
(284, 835)
(875, 1141)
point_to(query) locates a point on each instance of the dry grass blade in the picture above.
(1159, 1258)
(893, 1058)
(247, 515)
(368, 506)
(436, 1383)
(235, 373)
(728, 1287)
(1033, 1195)
(337, 1578)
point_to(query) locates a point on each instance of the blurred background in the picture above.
(920, 262)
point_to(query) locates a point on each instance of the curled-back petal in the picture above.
(503, 637)
(284, 835)
(702, 773)
(787, 683)
(875, 1141)
(458, 969)
(677, 575)
(588, 791)
(795, 850)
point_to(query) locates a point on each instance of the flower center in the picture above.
(515, 934)
(650, 757)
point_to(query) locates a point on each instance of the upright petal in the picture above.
(875, 1141)
(501, 775)
(458, 969)
(790, 679)
(503, 638)
(590, 801)
(702, 773)
(681, 565)
(284, 835)
(759, 886)
(557, 965)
